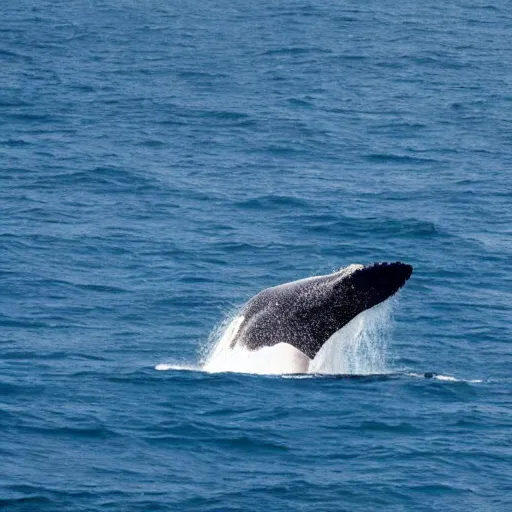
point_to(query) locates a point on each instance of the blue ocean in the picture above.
(162, 162)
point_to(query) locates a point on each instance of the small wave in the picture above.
(445, 378)
(299, 376)
(296, 50)
(369, 377)
(272, 202)
(33, 501)
(162, 367)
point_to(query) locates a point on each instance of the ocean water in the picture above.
(161, 162)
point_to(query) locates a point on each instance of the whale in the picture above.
(296, 319)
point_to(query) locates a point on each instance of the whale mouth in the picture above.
(375, 283)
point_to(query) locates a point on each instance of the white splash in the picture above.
(219, 351)
(361, 347)
(180, 367)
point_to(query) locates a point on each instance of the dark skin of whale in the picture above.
(306, 313)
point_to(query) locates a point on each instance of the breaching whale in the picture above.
(304, 314)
